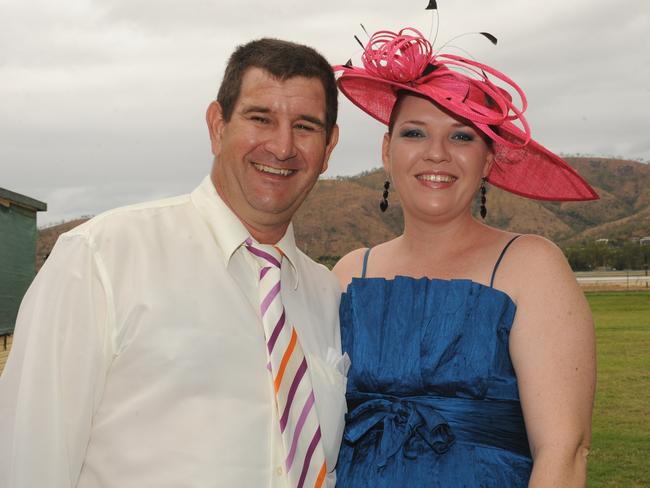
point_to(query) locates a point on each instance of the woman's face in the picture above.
(435, 161)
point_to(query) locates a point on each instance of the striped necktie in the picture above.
(301, 434)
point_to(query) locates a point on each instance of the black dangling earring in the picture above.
(383, 205)
(483, 200)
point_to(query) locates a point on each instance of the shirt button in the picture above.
(279, 471)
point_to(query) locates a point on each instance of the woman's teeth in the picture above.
(438, 178)
(273, 171)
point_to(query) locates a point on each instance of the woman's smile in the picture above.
(437, 180)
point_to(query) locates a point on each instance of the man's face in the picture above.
(271, 152)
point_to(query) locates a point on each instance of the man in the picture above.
(142, 356)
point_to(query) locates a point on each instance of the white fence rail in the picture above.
(624, 279)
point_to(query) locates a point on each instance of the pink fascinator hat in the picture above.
(405, 61)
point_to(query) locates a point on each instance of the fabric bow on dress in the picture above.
(406, 425)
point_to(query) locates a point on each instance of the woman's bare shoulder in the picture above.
(532, 264)
(349, 266)
(536, 251)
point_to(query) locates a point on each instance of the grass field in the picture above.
(620, 455)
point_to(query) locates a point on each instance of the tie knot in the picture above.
(265, 254)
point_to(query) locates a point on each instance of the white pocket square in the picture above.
(339, 361)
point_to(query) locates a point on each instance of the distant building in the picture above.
(18, 235)
(645, 241)
(602, 241)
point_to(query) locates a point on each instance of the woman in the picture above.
(473, 351)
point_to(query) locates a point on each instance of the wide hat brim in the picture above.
(526, 169)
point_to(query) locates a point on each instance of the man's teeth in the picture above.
(438, 178)
(273, 171)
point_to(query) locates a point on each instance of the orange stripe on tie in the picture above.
(285, 359)
(321, 476)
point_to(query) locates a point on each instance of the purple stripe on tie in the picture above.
(269, 298)
(275, 334)
(262, 254)
(292, 392)
(263, 271)
(310, 452)
(296, 434)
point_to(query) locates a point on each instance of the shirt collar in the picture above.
(228, 231)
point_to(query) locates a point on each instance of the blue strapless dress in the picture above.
(432, 394)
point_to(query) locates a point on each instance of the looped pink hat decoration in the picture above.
(406, 61)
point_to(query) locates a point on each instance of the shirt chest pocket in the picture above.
(329, 383)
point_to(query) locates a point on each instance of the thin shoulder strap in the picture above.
(496, 265)
(365, 262)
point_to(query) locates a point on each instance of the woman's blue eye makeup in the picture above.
(462, 136)
(411, 133)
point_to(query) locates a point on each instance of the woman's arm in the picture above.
(552, 345)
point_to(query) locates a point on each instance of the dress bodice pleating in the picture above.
(432, 393)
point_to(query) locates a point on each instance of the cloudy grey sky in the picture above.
(102, 102)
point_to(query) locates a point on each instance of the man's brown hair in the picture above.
(283, 60)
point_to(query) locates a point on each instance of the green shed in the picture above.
(18, 235)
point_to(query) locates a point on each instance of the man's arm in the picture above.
(55, 375)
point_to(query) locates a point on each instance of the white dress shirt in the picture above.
(139, 357)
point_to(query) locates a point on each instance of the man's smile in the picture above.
(274, 171)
